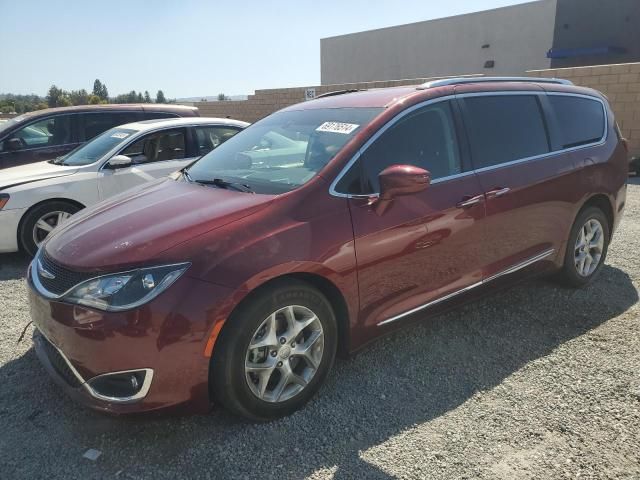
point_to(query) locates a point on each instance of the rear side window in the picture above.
(505, 128)
(581, 121)
(97, 122)
(211, 136)
(158, 147)
(48, 132)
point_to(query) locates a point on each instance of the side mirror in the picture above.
(13, 144)
(119, 161)
(399, 180)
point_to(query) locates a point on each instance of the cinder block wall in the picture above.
(264, 102)
(621, 85)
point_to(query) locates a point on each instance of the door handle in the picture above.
(470, 202)
(498, 192)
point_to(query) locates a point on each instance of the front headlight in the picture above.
(123, 291)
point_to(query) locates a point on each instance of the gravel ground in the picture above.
(537, 382)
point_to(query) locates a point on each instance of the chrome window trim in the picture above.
(512, 269)
(146, 384)
(390, 123)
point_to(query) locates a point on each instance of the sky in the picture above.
(188, 47)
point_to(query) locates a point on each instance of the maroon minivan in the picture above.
(53, 132)
(319, 229)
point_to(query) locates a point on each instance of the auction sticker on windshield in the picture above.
(337, 127)
(120, 135)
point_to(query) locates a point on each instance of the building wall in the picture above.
(518, 37)
(597, 23)
(621, 85)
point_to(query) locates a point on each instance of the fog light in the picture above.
(121, 386)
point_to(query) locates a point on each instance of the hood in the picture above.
(32, 172)
(134, 228)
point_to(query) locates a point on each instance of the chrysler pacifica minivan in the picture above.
(318, 229)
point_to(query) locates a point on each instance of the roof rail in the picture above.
(339, 92)
(466, 80)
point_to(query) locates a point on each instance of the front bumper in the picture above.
(9, 222)
(167, 337)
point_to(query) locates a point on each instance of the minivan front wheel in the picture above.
(274, 352)
(587, 248)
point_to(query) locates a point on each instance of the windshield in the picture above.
(283, 151)
(98, 147)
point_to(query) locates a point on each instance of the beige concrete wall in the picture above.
(265, 102)
(620, 83)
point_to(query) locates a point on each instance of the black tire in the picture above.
(569, 275)
(227, 378)
(25, 235)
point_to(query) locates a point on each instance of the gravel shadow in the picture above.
(13, 266)
(414, 376)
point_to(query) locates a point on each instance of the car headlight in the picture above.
(123, 291)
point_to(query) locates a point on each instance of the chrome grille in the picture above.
(64, 279)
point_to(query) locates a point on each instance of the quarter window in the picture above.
(425, 138)
(210, 137)
(580, 120)
(505, 128)
(157, 147)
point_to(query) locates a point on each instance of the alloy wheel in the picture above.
(284, 354)
(589, 247)
(46, 224)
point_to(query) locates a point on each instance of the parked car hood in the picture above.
(133, 228)
(33, 172)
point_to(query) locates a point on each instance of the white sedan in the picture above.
(35, 198)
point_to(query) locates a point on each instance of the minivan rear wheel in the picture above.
(40, 221)
(586, 249)
(274, 352)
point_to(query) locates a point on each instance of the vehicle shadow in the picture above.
(410, 378)
(13, 266)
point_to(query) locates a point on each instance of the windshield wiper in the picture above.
(221, 183)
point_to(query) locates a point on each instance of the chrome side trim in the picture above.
(146, 384)
(430, 304)
(390, 123)
(521, 265)
(508, 271)
(466, 80)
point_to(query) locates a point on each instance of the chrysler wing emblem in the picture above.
(45, 273)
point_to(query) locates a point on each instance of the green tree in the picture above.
(104, 93)
(55, 96)
(160, 98)
(97, 88)
(222, 97)
(147, 97)
(140, 98)
(95, 100)
(79, 97)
